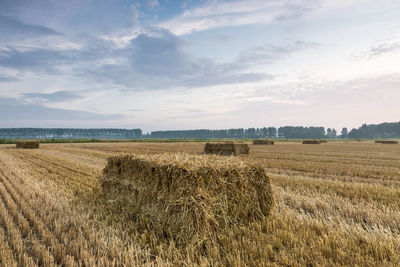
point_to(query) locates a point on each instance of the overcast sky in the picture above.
(165, 64)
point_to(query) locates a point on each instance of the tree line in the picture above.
(58, 133)
(383, 130)
(240, 133)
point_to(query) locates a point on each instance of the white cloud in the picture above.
(233, 13)
(378, 50)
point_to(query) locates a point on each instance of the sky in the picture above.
(214, 64)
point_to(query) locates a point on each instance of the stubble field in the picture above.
(336, 204)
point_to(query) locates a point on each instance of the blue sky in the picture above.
(163, 64)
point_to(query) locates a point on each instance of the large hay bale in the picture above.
(390, 142)
(226, 148)
(28, 144)
(263, 142)
(311, 142)
(189, 198)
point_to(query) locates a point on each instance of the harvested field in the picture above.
(335, 204)
(226, 148)
(263, 142)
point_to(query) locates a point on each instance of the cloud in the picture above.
(270, 53)
(58, 96)
(378, 50)
(160, 52)
(216, 14)
(12, 28)
(318, 103)
(50, 59)
(135, 16)
(73, 16)
(157, 59)
(34, 60)
(7, 78)
(220, 78)
(14, 109)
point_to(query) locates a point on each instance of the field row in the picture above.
(329, 209)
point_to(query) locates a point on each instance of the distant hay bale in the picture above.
(189, 198)
(226, 148)
(263, 142)
(387, 142)
(311, 142)
(28, 144)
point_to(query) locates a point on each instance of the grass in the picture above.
(336, 204)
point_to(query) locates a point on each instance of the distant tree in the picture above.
(345, 133)
(334, 133)
(329, 133)
(301, 132)
(383, 130)
(272, 131)
(263, 132)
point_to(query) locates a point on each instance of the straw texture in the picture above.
(189, 198)
(263, 142)
(226, 148)
(28, 144)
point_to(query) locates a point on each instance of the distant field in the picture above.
(151, 140)
(336, 204)
(92, 140)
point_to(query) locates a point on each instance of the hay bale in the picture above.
(226, 148)
(263, 142)
(189, 198)
(28, 144)
(390, 142)
(311, 142)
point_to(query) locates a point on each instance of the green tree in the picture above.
(345, 132)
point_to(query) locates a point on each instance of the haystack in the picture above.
(263, 142)
(28, 144)
(226, 148)
(387, 142)
(188, 198)
(311, 142)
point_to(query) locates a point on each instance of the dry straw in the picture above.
(188, 198)
(226, 148)
(311, 142)
(263, 142)
(387, 142)
(28, 144)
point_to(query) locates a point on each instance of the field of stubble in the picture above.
(336, 204)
